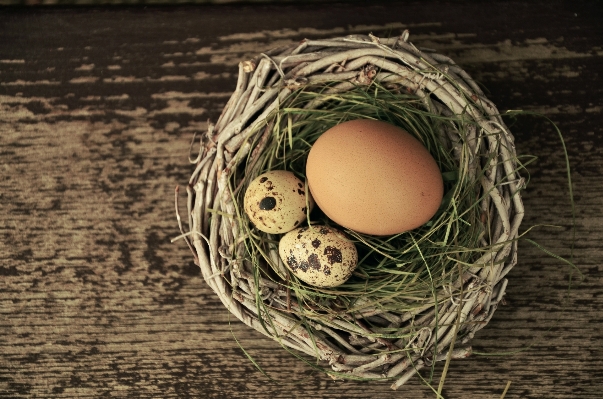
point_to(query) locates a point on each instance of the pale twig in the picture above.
(190, 246)
(505, 391)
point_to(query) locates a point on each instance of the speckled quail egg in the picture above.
(275, 201)
(319, 255)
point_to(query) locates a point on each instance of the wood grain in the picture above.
(98, 107)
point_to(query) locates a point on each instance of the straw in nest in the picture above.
(447, 278)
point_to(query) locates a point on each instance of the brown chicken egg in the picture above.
(319, 255)
(374, 178)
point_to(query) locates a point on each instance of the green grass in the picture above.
(396, 273)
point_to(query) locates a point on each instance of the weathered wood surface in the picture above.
(97, 111)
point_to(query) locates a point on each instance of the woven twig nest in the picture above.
(359, 334)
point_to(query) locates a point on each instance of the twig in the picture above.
(190, 246)
(505, 391)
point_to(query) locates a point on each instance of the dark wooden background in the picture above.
(97, 109)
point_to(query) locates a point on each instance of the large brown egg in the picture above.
(374, 178)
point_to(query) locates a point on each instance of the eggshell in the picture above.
(319, 255)
(374, 178)
(275, 201)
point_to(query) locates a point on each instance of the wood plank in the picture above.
(95, 124)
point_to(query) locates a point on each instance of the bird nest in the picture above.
(417, 297)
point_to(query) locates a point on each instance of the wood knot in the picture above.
(296, 83)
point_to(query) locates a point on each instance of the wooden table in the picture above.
(98, 107)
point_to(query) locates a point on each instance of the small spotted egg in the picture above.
(275, 201)
(319, 255)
